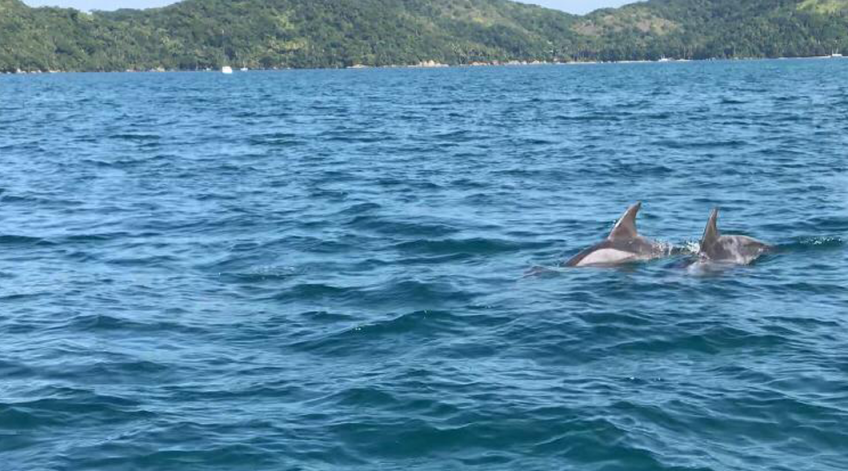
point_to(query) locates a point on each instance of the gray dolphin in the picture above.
(735, 249)
(623, 245)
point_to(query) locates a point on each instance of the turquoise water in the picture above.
(357, 269)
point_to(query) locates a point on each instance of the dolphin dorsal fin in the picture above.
(711, 233)
(625, 228)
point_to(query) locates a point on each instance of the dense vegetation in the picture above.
(702, 29)
(337, 33)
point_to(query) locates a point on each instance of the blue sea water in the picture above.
(358, 269)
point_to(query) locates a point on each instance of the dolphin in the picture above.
(735, 249)
(623, 245)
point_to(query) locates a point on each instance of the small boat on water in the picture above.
(244, 69)
(835, 55)
(226, 69)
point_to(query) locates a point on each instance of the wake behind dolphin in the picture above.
(623, 245)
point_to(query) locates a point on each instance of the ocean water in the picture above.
(359, 269)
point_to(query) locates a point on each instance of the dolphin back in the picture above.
(623, 245)
(730, 248)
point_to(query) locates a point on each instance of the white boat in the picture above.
(226, 69)
(244, 69)
(664, 59)
(836, 54)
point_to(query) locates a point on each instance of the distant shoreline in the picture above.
(304, 34)
(427, 65)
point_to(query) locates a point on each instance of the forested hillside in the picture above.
(197, 34)
(703, 29)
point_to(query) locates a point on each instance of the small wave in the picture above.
(95, 237)
(640, 169)
(542, 270)
(809, 244)
(105, 322)
(712, 341)
(260, 274)
(360, 208)
(384, 335)
(223, 456)
(135, 137)
(151, 261)
(314, 291)
(385, 225)
(67, 405)
(279, 139)
(830, 224)
(456, 136)
(386, 295)
(418, 322)
(535, 141)
(689, 144)
(589, 117)
(18, 418)
(23, 240)
(352, 138)
(12, 369)
(467, 183)
(24, 297)
(362, 397)
(474, 246)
